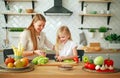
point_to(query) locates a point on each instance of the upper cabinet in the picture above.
(94, 13)
(18, 13)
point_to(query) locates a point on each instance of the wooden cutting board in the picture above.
(54, 63)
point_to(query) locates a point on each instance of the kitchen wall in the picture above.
(54, 22)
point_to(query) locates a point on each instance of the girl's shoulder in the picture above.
(71, 42)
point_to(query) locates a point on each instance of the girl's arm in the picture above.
(75, 54)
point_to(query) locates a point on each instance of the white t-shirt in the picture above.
(66, 49)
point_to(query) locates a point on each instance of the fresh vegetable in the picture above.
(18, 63)
(85, 59)
(76, 59)
(68, 60)
(97, 67)
(91, 66)
(103, 67)
(111, 67)
(91, 60)
(9, 60)
(86, 64)
(40, 60)
(108, 62)
(99, 60)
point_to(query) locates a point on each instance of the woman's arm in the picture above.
(28, 53)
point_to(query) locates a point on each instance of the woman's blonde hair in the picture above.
(64, 30)
(32, 29)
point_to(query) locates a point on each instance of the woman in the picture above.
(33, 39)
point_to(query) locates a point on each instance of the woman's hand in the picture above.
(39, 52)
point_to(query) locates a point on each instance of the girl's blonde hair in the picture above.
(64, 30)
(36, 18)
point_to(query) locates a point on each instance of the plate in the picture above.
(65, 67)
(3, 66)
(29, 68)
(100, 71)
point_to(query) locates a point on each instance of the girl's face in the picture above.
(63, 38)
(39, 25)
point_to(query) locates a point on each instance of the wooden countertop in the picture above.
(54, 72)
(103, 51)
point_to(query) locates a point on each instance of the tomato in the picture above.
(91, 66)
(108, 62)
(86, 64)
(76, 59)
(9, 60)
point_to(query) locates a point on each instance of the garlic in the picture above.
(111, 67)
(106, 66)
(97, 67)
(103, 67)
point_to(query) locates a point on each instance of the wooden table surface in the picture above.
(54, 72)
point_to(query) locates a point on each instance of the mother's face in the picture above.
(39, 25)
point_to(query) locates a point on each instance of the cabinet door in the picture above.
(1, 58)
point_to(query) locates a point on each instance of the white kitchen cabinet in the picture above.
(1, 58)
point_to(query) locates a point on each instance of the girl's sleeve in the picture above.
(74, 45)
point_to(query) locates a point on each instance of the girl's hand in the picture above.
(60, 58)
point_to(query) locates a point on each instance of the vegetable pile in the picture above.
(99, 64)
(40, 60)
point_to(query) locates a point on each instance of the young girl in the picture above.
(65, 48)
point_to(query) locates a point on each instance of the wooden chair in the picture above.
(80, 54)
(7, 52)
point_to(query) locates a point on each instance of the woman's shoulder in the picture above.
(42, 33)
(26, 32)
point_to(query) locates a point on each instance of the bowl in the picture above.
(29, 10)
(93, 12)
